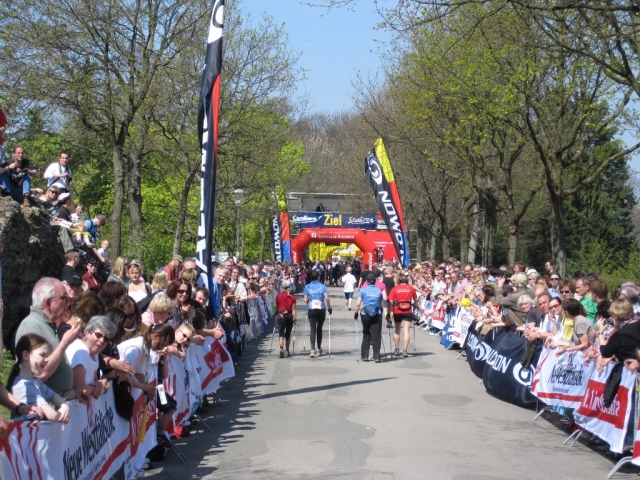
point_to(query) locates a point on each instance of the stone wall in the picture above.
(31, 251)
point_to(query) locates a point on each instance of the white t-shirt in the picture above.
(78, 354)
(348, 283)
(133, 351)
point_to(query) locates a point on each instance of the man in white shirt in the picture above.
(348, 287)
(58, 174)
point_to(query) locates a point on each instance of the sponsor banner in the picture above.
(323, 219)
(194, 388)
(636, 439)
(448, 339)
(438, 315)
(380, 174)
(96, 443)
(504, 376)
(608, 423)
(478, 347)
(463, 322)
(176, 385)
(560, 381)
(214, 364)
(208, 126)
(276, 238)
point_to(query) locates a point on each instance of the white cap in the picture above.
(286, 284)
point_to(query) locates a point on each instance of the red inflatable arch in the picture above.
(333, 235)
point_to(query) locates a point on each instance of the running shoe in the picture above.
(312, 354)
(281, 353)
(405, 354)
(397, 353)
(287, 354)
(318, 352)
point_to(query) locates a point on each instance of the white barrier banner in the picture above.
(561, 381)
(176, 386)
(610, 424)
(636, 443)
(96, 443)
(214, 364)
(463, 322)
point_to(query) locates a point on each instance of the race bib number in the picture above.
(316, 304)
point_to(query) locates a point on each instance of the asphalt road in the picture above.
(425, 417)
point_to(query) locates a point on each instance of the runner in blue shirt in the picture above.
(316, 296)
(369, 306)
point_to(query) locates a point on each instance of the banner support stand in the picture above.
(201, 420)
(460, 354)
(174, 448)
(540, 412)
(575, 435)
(619, 465)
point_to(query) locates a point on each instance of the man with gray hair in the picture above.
(48, 302)
(630, 292)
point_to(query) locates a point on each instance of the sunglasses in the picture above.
(554, 279)
(53, 192)
(185, 336)
(131, 315)
(101, 336)
(565, 291)
(183, 292)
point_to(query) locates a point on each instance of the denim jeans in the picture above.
(17, 193)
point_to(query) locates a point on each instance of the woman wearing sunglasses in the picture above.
(133, 326)
(180, 292)
(82, 355)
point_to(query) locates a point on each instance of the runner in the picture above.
(402, 298)
(316, 296)
(286, 316)
(370, 299)
(348, 287)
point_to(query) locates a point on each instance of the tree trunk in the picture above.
(118, 202)
(558, 246)
(464, 238)
(263, 236)
(513, 245)
(445, 247)
(182, 212)
(134, 196)
(473, 237)
(418, 249)
(432, 247)
(492, 226)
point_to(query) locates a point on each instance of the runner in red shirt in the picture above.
(285, 316)
(402, 298)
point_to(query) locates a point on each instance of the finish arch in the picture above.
(341, 235)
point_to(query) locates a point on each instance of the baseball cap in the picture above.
(286, 284)
(371, 278)
(72, 279)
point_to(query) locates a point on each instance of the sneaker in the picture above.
(397, 353)
(349, 308)
(312, 354)
(281, 353)
(318, 352)
(26, 202)
(287, 354)
(404, 354)
(377, 360)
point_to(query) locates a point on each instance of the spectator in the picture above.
(63, 207)
(78, 214)
(48, 302)
(15, 177)
(321, 208)
(133, 325)
(104, 249)
(583, 290)
(189, 264)
(172, 268)
(59, 174)
(33, 351)
(582, 328)
(138, 288)
(625, 336)
(118, 271)
(516, 315)
(73, 259)
(83, 307)
(190, 275)
(111, 293)
(49, 200)
(630, 292)
(3, 128)
(82, 355)
(160, 282)
(91, 226)
(180, 292)
(159, 310)
(93, 281)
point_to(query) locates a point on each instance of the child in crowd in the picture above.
(33, 352)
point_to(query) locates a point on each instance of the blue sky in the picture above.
(335, 45)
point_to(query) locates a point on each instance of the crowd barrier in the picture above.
(555, 381)
(97, 442)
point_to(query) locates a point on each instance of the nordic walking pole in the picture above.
(357, 355)
(414, 338)
(329, 335)
(306, 319)
(272, 335)
(295, 327)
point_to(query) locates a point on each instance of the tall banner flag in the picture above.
(378, 170)
(208, 120)
(276, 238)
(285, 231)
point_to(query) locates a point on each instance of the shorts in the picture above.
(167, 407)
(348, 295)
(399, 317)
(285, 327)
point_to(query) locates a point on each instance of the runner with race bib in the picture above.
(316, 296)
